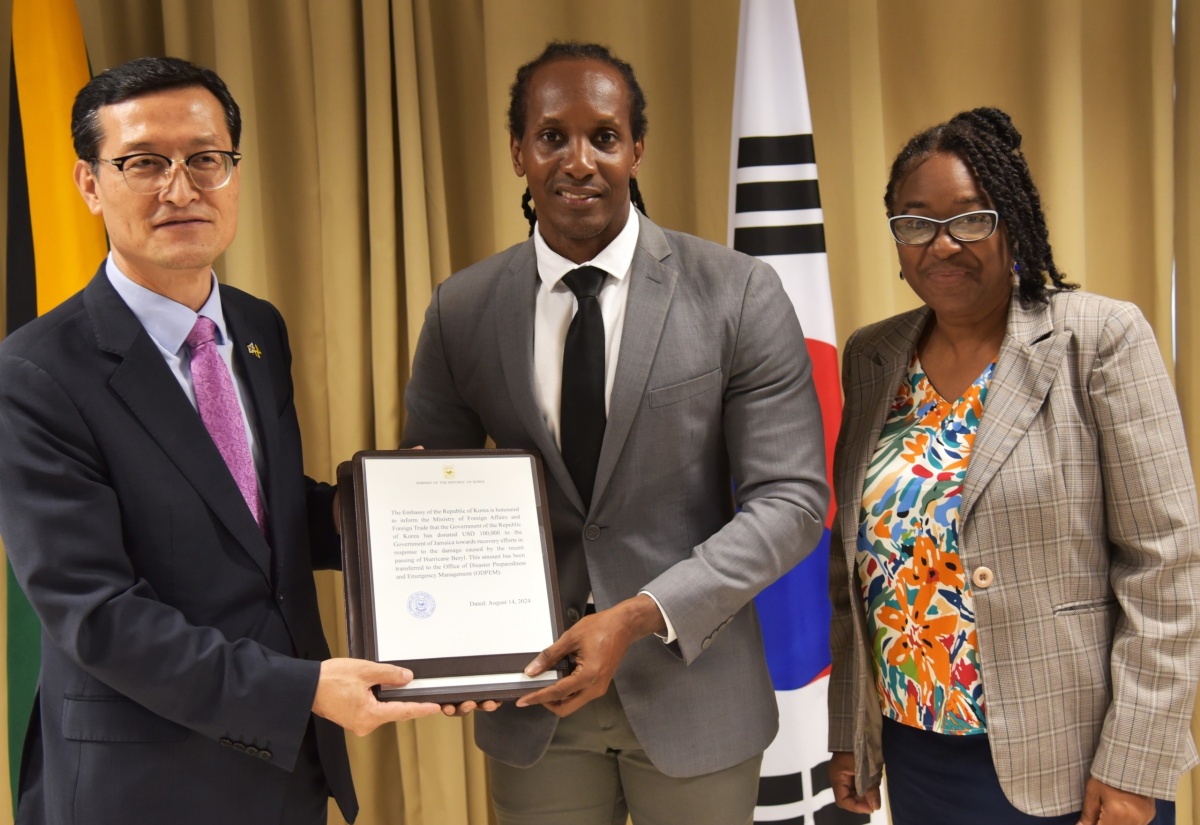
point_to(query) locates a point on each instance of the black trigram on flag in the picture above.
(777, 175)
(781, 792)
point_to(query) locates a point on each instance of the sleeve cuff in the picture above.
(670, 635)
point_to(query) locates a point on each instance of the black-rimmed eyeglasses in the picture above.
(917, 230)
(148, 173)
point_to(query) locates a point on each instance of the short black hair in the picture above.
(986, 140)
(142, 76)
(518, 98)
(573, 50)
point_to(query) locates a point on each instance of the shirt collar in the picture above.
(168, 322)
(615, 259)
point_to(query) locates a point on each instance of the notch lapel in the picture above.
(516, 293)
(650, 291)
(1025, 369)
(257, 374)
(884, 366)
(153, 395)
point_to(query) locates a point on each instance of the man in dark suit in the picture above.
(154, 507)
(701, 378)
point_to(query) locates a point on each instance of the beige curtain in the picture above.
(377, 163)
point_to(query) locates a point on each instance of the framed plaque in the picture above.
(449, 570)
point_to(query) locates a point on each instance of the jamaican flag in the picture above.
(54, 245)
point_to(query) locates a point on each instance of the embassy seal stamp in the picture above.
(421, 605)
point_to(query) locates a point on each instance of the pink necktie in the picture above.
(219, 410)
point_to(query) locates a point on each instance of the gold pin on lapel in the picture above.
(254, 350)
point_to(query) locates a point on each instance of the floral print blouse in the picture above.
(920, 612)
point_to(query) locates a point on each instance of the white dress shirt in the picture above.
(554, 308)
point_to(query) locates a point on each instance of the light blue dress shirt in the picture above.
(169, 323)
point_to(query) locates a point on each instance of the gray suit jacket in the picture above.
(713, 386)
(1079, 498)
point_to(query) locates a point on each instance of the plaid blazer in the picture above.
(1079, 499)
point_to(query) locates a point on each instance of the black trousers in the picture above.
(307, 798)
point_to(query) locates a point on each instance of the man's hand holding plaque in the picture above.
(597, 643)
(344, 695)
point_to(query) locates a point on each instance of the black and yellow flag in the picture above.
(54, 246)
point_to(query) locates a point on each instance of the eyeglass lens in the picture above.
(970, 226)
(149, 174)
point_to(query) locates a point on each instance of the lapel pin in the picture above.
(254, 350)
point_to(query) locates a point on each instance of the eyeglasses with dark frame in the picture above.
(149, 173)
(918, 230)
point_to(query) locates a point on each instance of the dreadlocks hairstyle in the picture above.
(573, 50)
(988, 143)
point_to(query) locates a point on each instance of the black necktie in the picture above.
(582, 408)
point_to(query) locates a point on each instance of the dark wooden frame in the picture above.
(360, 596)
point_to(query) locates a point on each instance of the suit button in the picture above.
(238, 746)
(227, 743)
(592, 532)
(279, 595)
(982, 577)
(252, 751)
(572, 615)
(265, 754)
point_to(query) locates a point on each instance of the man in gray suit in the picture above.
(685, 465)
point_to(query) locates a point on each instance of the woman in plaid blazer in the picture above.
(1014, 572)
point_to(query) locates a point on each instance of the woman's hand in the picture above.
(841, 777)
(1112, 806)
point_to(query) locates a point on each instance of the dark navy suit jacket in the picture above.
(180, 646)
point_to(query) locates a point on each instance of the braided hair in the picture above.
(573, 50)
(988, 143)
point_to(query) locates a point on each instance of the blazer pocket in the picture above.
(675, 393)
(115, 719)
(1089, 606)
